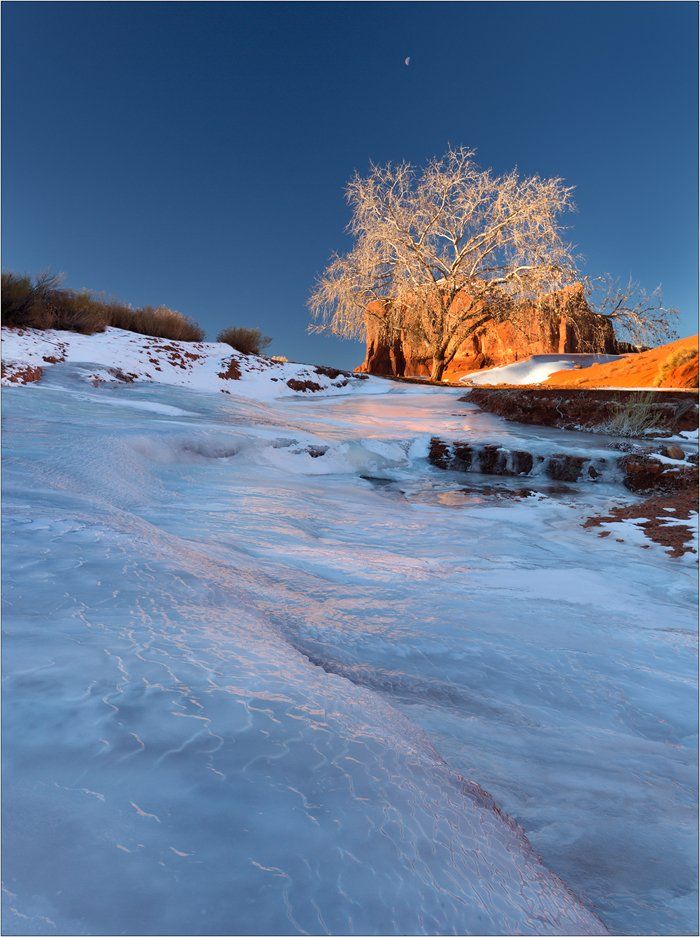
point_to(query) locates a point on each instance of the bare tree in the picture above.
(440, 253)
(637, 315)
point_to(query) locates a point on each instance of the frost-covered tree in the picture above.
(439, 253)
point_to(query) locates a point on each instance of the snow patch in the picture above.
(533, 370)
(118, 356)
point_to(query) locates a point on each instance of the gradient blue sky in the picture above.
(195, 154)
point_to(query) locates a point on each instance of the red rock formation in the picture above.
(565, 325)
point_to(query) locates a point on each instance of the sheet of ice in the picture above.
(535, 369)
(253, 650)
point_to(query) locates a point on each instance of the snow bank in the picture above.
(535, 369)
(117, 355)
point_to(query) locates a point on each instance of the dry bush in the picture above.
(635, 416)
(44, 304)
(157, 321)
(77, 312)
(16, 299)
(247, 341)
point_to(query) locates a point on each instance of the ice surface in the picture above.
(258, 655)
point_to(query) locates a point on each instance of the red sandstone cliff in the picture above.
(565, 325)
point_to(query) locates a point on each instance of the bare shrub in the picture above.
(44, 304)
(635, 416)
(157, 321)
(77, 311)
(247, 341)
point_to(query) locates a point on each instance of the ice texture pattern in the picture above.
(269, 672)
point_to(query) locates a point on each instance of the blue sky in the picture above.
(195, 154)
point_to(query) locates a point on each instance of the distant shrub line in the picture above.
(44, 304)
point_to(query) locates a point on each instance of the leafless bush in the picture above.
(44, 304)
(158, 321)
(247, 341)
(635, 416)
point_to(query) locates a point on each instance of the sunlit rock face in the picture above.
(563, 326)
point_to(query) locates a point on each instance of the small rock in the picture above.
(438, 454)
(565, 468)
(673, 452)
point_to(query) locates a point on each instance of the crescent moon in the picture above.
(407, 60)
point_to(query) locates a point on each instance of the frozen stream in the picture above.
(255, 654)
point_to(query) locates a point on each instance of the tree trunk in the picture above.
(438, 368)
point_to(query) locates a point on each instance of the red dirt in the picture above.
(232, 372)
(672, 365)
(27, 375)
(294, 384)
(654, 515)
(580, 408)
(644, 473)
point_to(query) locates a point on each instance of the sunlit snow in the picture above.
(535, 369)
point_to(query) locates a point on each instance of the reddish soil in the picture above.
(331, 373)
(19, 375)
(656, 516)
(294, 384)
(232, 372)
(673, 410)
(672, 365)
(176, 356)
(126, 377)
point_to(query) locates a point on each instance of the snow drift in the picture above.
(533, 370)
(116, 355)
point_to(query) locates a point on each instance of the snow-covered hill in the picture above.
(117, 355)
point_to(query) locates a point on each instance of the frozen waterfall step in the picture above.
(668, 469)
